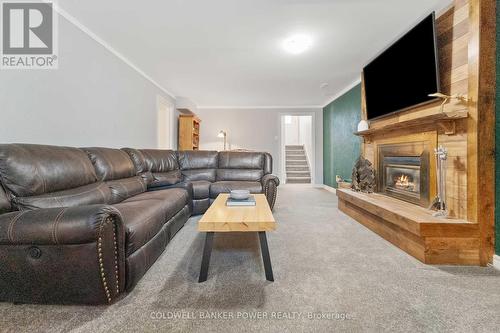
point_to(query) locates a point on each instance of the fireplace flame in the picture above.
(403, 181)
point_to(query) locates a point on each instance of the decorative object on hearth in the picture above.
(439, 203)
(363, 176)
(446, 98)
(363, 126)
(343, 183)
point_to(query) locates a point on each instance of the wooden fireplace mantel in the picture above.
(413, 229)
(443, 120)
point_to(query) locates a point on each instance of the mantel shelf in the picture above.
(444, 120)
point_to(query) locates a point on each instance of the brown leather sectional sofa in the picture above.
(83, 225)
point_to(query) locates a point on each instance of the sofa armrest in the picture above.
(62, 255)
(270, 185)
(74, 225)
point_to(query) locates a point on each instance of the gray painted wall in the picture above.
(93, 99)
(256, 129)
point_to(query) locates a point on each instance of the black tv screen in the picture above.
(404, 74)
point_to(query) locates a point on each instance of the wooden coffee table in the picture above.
(221, 218)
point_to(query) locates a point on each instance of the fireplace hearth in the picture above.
(404, 174)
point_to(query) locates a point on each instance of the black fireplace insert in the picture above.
(403, 176)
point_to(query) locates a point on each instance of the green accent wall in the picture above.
(497, 141)
(341, 147)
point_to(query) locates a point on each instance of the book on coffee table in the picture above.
(250, 201)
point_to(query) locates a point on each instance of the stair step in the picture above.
(293, 147)
(303, 174)
(296, 162)
(298, 180)
(297, 168)
(300, 172)
(295, 158)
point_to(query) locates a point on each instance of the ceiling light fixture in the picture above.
(297, 44)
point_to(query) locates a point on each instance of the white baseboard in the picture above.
(321, 186)
(496, 262)
(330, 189)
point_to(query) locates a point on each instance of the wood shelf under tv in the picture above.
(444, 120)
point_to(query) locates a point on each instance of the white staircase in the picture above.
(297, 167)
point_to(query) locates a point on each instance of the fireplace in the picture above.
(403, 173)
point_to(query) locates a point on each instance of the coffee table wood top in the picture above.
(221, 218)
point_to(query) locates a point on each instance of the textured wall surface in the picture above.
(341, 147)
(92, 99)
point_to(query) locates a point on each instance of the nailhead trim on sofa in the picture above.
(101, 261)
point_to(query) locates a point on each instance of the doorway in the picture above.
(297, 148)
(165, 121)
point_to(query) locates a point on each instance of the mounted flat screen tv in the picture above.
(404, 74)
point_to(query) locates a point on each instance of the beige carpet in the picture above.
(331, 274)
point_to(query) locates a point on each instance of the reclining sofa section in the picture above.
(83, 225)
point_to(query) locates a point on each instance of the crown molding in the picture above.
(256, 107)
(71, 19)
(343, 91)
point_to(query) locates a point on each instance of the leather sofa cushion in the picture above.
(4, 201)
(160, 161)
(122, 189)
(197, 159)
(240, 174)
(241, 166)
(241, 160)
(138, 159)
(173, 200)
(227, 186)
(198, 165)
(166, 178)
(200, 174)
(201, 189)
(97, 193)
(268, 163)
(111, 164)
(28, 170)
(200, 206)
(142, 220)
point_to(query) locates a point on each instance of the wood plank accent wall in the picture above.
(453, 36)
(466, 35)
(481, 123)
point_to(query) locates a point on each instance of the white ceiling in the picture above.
(228, 52)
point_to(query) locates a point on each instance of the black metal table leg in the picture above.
(205, 260)
(265, 256)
